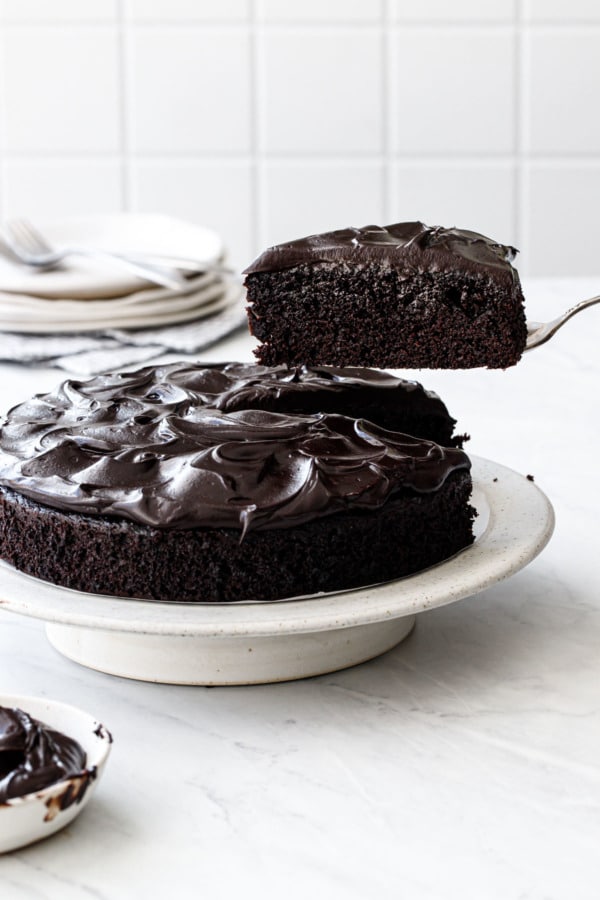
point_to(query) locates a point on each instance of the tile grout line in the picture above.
(523, 213)
(185, 23)
(124, 109)
(386, 112)
(3, 121)
(418, 160)
(517, 135)
(258, 198)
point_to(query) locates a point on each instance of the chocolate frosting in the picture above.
(33, 756)
(300, 389)
(170, 448)
(435, 246)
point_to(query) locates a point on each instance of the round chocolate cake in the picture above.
(229, 482)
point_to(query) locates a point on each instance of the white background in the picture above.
(269, 119)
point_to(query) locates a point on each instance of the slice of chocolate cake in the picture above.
(139, 485)
(405, 296)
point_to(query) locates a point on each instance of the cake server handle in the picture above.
(540, 332)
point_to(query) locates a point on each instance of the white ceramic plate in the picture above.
(24, 820)
(28, 306)
(150, 309)
(193, 307)
(123, 233)
(245, 643)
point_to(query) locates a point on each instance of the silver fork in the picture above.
(32, 249)
(540, 332)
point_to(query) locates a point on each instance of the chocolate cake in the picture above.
(177, 484)
(404, 296)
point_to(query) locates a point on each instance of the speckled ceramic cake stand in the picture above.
(250, 643)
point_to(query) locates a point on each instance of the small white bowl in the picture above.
(33, 817)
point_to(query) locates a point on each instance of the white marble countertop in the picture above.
(465, 763)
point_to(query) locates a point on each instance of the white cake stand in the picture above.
(250, 643)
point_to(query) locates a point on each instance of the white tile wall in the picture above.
(51, 188)
(562, 68)
(464, 11)
(187, 10)
(268, 119)
(453, 95)
(59, 10)
(456, 193)
(571, 194)
(342, 11)
(315, 100)
(560, 11)
(304, 196)
(217, 193)
(61, 89)
(184, 91)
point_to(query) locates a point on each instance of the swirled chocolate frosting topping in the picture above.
(169, 447)
(434, 245)
(33, 756)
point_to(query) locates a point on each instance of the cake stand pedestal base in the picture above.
(201, 660)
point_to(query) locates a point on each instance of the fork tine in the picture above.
(33, 250)
(29, 237)
(19, 237)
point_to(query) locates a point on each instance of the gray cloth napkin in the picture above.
(104, 351)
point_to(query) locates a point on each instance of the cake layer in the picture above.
(175, 484)
(182, 446)
(408, 295)
(120, 558)
(200, 467)
(393, 403)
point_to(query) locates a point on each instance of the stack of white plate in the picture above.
(86, 295)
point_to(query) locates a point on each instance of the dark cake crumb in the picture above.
(123, 559)
(405, 296)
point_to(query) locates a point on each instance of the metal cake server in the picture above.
(540, 332)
